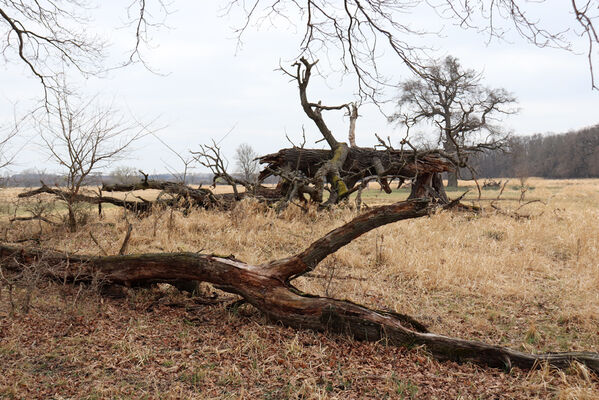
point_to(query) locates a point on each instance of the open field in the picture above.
(528, 281)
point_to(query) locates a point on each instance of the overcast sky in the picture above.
(207, 87)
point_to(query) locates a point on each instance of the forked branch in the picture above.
(267, 288)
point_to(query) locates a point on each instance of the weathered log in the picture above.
(359, 162)
(425, 169)
(267, 287)
(200, 197)
(183, 196)
(136, 206)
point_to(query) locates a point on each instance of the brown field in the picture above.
(528, 281)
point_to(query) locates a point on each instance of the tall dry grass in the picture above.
(528, 283)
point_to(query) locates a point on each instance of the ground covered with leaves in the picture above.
(159, 344)
(529, 282)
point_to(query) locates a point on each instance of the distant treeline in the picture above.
(568, 155)
(34, 178)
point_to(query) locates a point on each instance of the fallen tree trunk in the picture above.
(268, 288)
(183, 196)
(136, 206)
(197, 197)
(361, 162)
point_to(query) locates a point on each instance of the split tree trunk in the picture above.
(267, 287)
(361, 163)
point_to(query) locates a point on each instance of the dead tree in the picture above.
(136, 206)
(210, 156)
(344, 166)
(82, 138)
(199, 197)
(331, 169)
(465, 112)
(269, 288)
(363, 163)
(172, 195)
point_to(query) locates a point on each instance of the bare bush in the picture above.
(83, 137)
(247, 164)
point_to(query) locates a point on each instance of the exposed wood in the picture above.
(380, 171)
(267, 287)
(353, 116)
(359, 162)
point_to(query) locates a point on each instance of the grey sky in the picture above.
(209, 87)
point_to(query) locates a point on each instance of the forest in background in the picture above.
(559, 156)
(567, 155)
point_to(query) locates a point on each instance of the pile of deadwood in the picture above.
(300, 174)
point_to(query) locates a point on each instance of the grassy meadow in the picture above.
(523, 273)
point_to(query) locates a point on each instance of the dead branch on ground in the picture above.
(268, 287)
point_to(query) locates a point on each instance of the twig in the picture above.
(126, 240)
(98, 244)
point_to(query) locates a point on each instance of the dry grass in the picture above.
(530, 284)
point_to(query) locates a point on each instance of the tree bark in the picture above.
(360, 163)
(429, 185)
(136, 206)
(184, 197)
(450, 148)
(353, 116)
(267, 287)
(452, 180)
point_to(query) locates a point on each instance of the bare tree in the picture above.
(187, 161)
(353, 34)
(7, 134)
(51, 37)
(247, 165)
(83, 137)
(210, 156)
(124, 175)
(454, 100)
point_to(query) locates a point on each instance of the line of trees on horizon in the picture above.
(573, 154)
